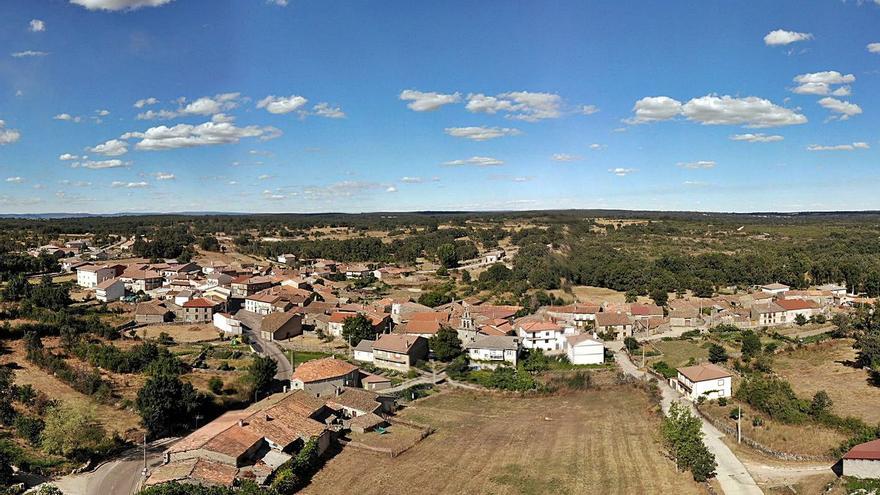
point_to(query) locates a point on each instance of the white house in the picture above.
(363, 352)
(182, 297)
(583, 349)
(544, 335)
(863, 461)
(704, 379)
(286, 258)
(227, 323)
(774, 289)
(795, 307)
(493, 256)
(494, 350)
(835, 289)
(110, 290)
(89, 276)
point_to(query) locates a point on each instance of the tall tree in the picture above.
(261, 373)
(357, 328)
(166, 404)
(446, 344)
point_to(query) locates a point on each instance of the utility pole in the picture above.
(739, 425)
(144, 472)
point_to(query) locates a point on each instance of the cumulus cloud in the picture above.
(781, 37)
(15, 180)
(820, 83)
(99, 164)
(113, 147)
(750, 111)
(36, 26)
(204, 106)
(588, 109)
(411, 180)
(839, 147)
(29, 53)
(129, 185)
(8, 136)
(66, 117)
(622, 172)
(481, 133)
(326, 110)
(116, 5)
(597, 147)
(565, 157)
(698, 165)
(189, 136)
(145, 102)
(873, 47)
(279, 3)
(164, 176)
(518, 105)
(756, 138)
(420, 101)
(477, 161)
(843, 109)
(391, 189)
(67, 157)
(653, 109)
(282, 104)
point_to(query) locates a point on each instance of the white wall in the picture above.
(586, 353)
(861, 468)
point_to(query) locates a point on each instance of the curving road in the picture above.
(251, 322)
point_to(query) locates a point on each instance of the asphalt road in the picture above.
(251, 323)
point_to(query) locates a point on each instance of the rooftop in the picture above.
(704, 372)
(322, 369)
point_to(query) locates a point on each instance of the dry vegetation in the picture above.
(188, 333)
(602, 441)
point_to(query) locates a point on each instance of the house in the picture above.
(247, 285)
(493, 256)
(583, 349)
(276, 299)
(89, 276)
(615, 324)
(199, 310)
(287, 259)
(324, 376)
(774, 289)
(401, 311)
(544, 335)
(768, 314)
(863, 461)
(355, 271)
(363, 352)
(183, 296)
(141, 279)
(227, 323)
(398, 352)
(425, 324)
(494, 351)
(684, 317)
(281, 326)
(110, 290)
(151, 312)
(375, 382)
(792, 308)
(578, 315)
(706, 379)
(836, 290)
(380, 322)
(645, 311)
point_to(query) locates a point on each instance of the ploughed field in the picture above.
(597, 441)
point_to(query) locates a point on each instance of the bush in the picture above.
(664, 369)
(774, 397)
(215, 384)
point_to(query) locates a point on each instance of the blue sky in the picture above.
(304, 106)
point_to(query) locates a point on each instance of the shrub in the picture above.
(215, 384)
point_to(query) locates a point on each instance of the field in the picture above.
(677, 353)
(191, 333)
(825, 366)
(602, 441)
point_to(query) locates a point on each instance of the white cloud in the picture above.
(77, 183)
(280, 3)
(622, 172)
(756, 138)
(325, 110)
(264, 177)
(66, 117)
(873, 47)
(819, 83)
(145, 102)
(653, 109)
(411, 180)
(565, 157)
(750, 111)
(188, 136)
(518, 105)
(8, 136)
(36, 26)
(113, 147)
(99, 165)
(481, 133)
(115, 5)
(478, 161)
(29, 53)
(391, 189)
(164, 176)
(102, 113)
(67, 157)
(129, 185)
(698, 165)
(839, 147)
(597, 147)
(843, 109)
(14, 180)
(281, 104)
(588, 109)
(156, 115)
(782, 37)
(420, 101)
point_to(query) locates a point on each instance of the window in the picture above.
(721, 382)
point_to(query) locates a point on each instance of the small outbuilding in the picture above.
(863, 460)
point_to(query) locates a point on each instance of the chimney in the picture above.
(337, 392)
(240, 422)
(285, 389)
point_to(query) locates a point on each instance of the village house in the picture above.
(375, 382)
(863, 461)
(837, 291)
(425, 324)
(110, 290)
(768, 314)
(615, 324)
(401, 311)
(227, 323)
(643, 312)
(584, 349)
(89, 276)
(577, 315)
(363, 352)
(247, 285)
(287, 259)
(322, 377)
(199, 310)
(151, 312)
(275, 299)
(774, 289)
(399, 352)
(494, 351)
(706, 379)
(281, 326)
(181, 270)
(544, 335)
(794, 307)
(493, 256)
(685, 317)
(380, 322)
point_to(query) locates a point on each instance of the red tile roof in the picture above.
(795, 304)
(865, 451)
(703, 372)
(322, 369)
(199, 303)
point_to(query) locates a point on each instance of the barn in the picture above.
(863, 460)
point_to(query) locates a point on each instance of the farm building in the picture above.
(110, 290)
(281, 326)
(863, 460)
(583, 349)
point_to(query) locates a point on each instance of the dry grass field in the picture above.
(602, 441)
(678, 353)
(824, 366)
(202, 332)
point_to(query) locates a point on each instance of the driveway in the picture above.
(731, 473)
(251, 322)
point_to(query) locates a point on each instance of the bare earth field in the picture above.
(202, 332)
(603, 441)
(823, 366)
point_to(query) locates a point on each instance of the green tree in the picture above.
(683, 438)
(751, 344)
(800, 320)
(17, 288)
(215, 384)
(261, 374)
(357, 328)
(631, 344)
(459, 367)
(632, 296)
(660, 296)
(821, 404)
(445, 344)
(6, 474)
(447, 256)
(717, 354)
(166, 404)
(72, 429)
